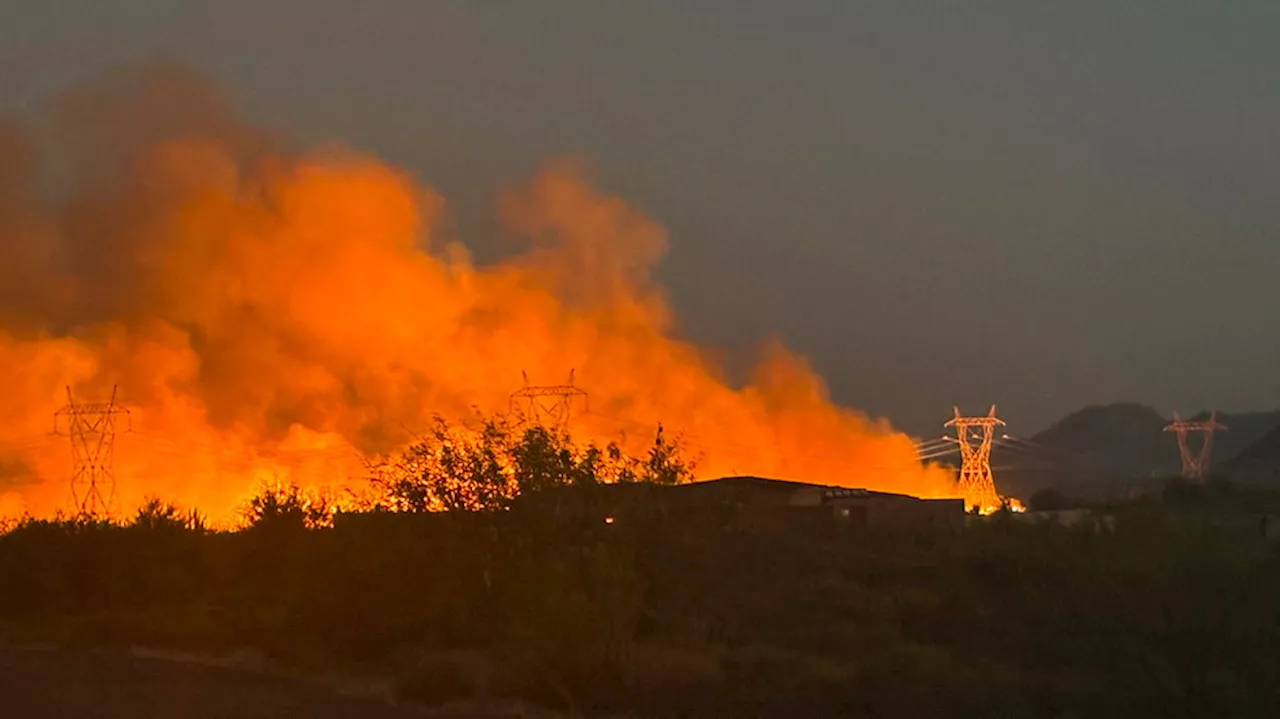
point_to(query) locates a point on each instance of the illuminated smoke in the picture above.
(275, 313)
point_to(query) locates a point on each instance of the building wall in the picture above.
(772, 505)
(904, 513)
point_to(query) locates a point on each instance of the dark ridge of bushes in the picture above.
(1169, 611)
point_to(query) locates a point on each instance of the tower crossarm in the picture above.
(552, 390)
(92, 408)
(1201, 426)
(557, 413)
(961, 421)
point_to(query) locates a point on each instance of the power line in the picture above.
(739, 452)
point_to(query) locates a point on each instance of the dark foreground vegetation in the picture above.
(1166, 611)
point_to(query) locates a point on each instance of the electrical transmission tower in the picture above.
(1195, 464)
(976, 481)
(92, 430)
(549, 405)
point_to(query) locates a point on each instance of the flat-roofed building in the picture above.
(772, 503)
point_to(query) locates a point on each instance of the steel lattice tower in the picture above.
(92, 430)
(548, 405)
(1195, 464)
(976, 481)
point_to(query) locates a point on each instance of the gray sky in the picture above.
(1037, 204)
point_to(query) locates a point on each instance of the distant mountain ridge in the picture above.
(1260, 461)
(1108, 449)
(1243, 431)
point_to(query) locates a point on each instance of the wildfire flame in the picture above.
(269, 313)
(1007, 503)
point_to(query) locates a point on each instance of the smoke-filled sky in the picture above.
(1040, 205)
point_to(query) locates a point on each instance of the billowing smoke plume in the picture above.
(273, 313)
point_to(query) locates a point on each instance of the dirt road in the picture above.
(56, 684)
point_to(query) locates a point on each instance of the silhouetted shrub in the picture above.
(157, 515)
(283, 507)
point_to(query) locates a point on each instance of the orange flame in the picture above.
(269, 314)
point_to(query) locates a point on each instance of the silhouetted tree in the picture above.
(157, 515)
(454, 469)
(666, 464)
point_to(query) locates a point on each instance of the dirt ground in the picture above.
(37, 684)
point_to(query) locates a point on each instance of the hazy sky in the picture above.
(1037, 204)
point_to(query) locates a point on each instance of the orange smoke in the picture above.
(269, 313)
